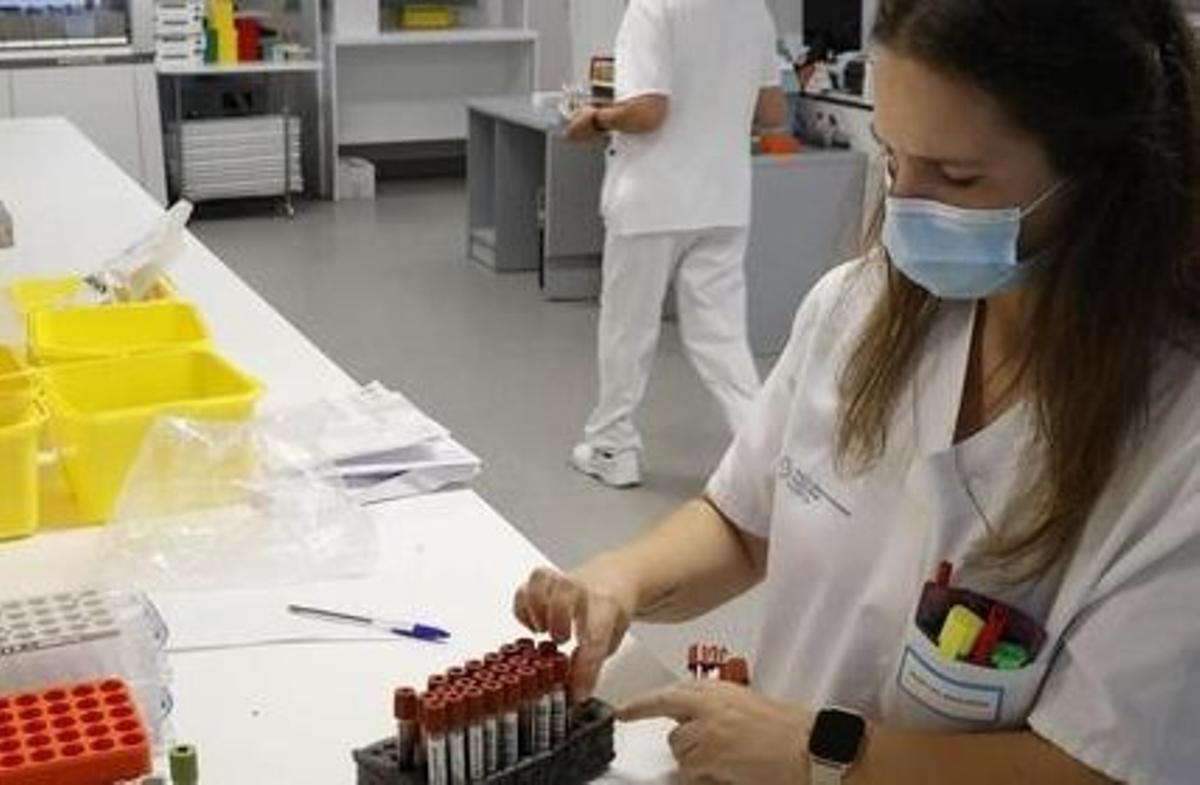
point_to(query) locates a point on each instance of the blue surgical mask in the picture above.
(957, 253)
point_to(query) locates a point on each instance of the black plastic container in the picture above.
(584, 756)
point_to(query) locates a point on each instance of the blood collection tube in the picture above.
(736, 670)
(526, 644)
(559, 710)
(510, 722)
(547, 649)
(436, 682)
(493, 698)
(476, 762)
(405, 708)
(529, 688)
(693, 660)
(456, 738)
(473, 668)
(492, 658)
(543, 706)
(433, 720)
(456, 674)
(509, 650)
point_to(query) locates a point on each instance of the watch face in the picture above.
(836, 737)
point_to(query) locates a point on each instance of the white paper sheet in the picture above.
(643, 755)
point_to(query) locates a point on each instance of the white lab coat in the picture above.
(1117, 685)
(676, 204)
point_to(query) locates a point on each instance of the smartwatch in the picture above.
(834, 745)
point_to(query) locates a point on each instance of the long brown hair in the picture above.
(1109, 88)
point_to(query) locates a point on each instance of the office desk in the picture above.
(281, 714)
(533, 197)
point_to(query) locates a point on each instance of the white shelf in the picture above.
(285, 67)
(458, 36)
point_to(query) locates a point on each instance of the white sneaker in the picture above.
(616, 469)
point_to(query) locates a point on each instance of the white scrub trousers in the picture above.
(710, 281)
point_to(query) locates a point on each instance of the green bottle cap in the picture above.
(1009, 657)
(185, 765)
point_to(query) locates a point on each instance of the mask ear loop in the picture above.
(1046, 196)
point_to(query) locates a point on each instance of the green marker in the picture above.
(1009, 657)
(185, 765)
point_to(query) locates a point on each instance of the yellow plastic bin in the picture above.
(100, 413)
(16, 386)
(20, 437)
(34, 293)
(59, 335)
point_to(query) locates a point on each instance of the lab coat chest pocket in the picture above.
(929, 691)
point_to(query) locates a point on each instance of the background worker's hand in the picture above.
(582, 125)
(590, 605)
(729, 734)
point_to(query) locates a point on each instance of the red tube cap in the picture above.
(433, 716)
(405, 705)
(736, 670)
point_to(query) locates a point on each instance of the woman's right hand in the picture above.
(593, 605)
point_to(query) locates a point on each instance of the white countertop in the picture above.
(282, 714)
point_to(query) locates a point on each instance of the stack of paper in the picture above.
(378, 443)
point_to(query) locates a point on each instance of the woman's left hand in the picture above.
(728, 733)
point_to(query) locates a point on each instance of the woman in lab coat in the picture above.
(971, 486)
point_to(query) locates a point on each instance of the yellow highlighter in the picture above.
(959, 633)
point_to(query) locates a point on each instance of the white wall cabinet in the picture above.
(116, 106)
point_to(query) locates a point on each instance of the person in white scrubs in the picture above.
(692, 78)
(970, 488)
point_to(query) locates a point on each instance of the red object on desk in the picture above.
(88, 733)
(779, 144)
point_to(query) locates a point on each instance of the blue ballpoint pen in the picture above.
(421, 632)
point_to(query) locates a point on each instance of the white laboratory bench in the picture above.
(279, 713)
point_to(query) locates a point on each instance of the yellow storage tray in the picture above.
(100, 413)
(16, 386)
(19, 444)
(428, 17)
(59, 335)
(31, 294)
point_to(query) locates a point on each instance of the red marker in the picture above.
(990, 636)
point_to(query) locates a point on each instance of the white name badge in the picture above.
(951, 697)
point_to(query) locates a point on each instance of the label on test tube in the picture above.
(558, 700)
(528, 733)
(405, 709)
(433, 715)
(510, 724)
(476, 764)
(494, 708)
(543, 706)
(457, 740)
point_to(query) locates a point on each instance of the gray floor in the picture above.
(383, 288)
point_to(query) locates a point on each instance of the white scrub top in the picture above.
(710, 58)
(1117, 685)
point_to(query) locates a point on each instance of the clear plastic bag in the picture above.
(232, 506)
